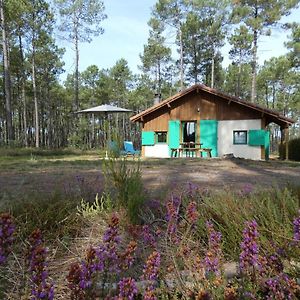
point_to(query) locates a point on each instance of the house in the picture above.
(199, 114)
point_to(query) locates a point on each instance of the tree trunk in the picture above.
(181, 58)
(254, 67)
(36, 112)
(212, 82)
(7, 82)
(23, 92)
(238, 91)
(76, 67)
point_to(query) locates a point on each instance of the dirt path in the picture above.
(158, 175)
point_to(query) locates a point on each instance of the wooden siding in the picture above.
(198, 106)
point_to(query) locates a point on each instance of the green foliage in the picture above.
(55, 215)
(81, 19)
(294, 150)
(91, 209)
(273, 210)
(125, 180)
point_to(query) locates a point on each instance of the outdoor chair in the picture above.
(114, 149)
(129, 149)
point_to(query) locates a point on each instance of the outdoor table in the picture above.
(190, 148)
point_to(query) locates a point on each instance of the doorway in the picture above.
(189, 132)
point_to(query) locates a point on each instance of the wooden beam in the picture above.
(286, 139)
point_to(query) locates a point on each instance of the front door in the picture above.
(209, 135)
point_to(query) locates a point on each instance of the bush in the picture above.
(55, 215)
(126, 181)
(294, 150)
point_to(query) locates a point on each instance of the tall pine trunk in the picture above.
(23, 92)
(7, 81)
(76, 42)
(212, 82)
(36, 112)
(181, 57)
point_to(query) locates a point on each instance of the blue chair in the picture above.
(114, 149)
(129, 149)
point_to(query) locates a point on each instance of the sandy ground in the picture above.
(158, 175)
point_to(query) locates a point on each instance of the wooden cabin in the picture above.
(213, 120)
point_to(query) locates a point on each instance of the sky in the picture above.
(126, 31)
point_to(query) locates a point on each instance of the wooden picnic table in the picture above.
(190, 149)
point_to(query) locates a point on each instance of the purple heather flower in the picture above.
(296, 224)
(151, 267)
(127, 257)
(148, 237)
(41, 287)
(279, 288)
(247, 189)
(192, 214)
(249, 295)
(150, 273)
(192, 189)
(249, 254)
(127, 288)
(212, 259)
(173, 206)
(111, 240)
(149, 294)
(7, 229)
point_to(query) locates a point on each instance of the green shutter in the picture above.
(148, 138)
(260, 137)
(256, 137)
(267, 144)
(209, 135)
(174, 134)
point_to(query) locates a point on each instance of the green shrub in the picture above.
(55, 215)
(294, 150)
(125, 180)
(273, 210)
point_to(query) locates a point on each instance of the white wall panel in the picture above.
(157, 150)
(225, 139)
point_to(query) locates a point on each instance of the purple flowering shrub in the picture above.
(180, 252)
(41, 286)
(103, 264)
(7, 229)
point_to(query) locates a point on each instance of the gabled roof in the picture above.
(275, 116)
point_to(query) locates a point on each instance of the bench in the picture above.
(207, 150)
(190, 152)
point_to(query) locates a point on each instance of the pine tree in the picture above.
(81, 20)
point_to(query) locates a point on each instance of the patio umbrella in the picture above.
(104, 109)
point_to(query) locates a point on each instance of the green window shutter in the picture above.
(267, 144)
(260, 138)
(256, 137)
(148, 138)
(174, 134)
(209, 135)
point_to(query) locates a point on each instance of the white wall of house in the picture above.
(225, 139)
(157, 150)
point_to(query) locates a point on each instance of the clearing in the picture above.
(70, 173)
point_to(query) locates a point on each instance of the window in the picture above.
(240, 137)
(161, 137)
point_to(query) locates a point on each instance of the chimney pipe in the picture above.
(157, 98)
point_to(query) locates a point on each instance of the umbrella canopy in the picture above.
(105, 108)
